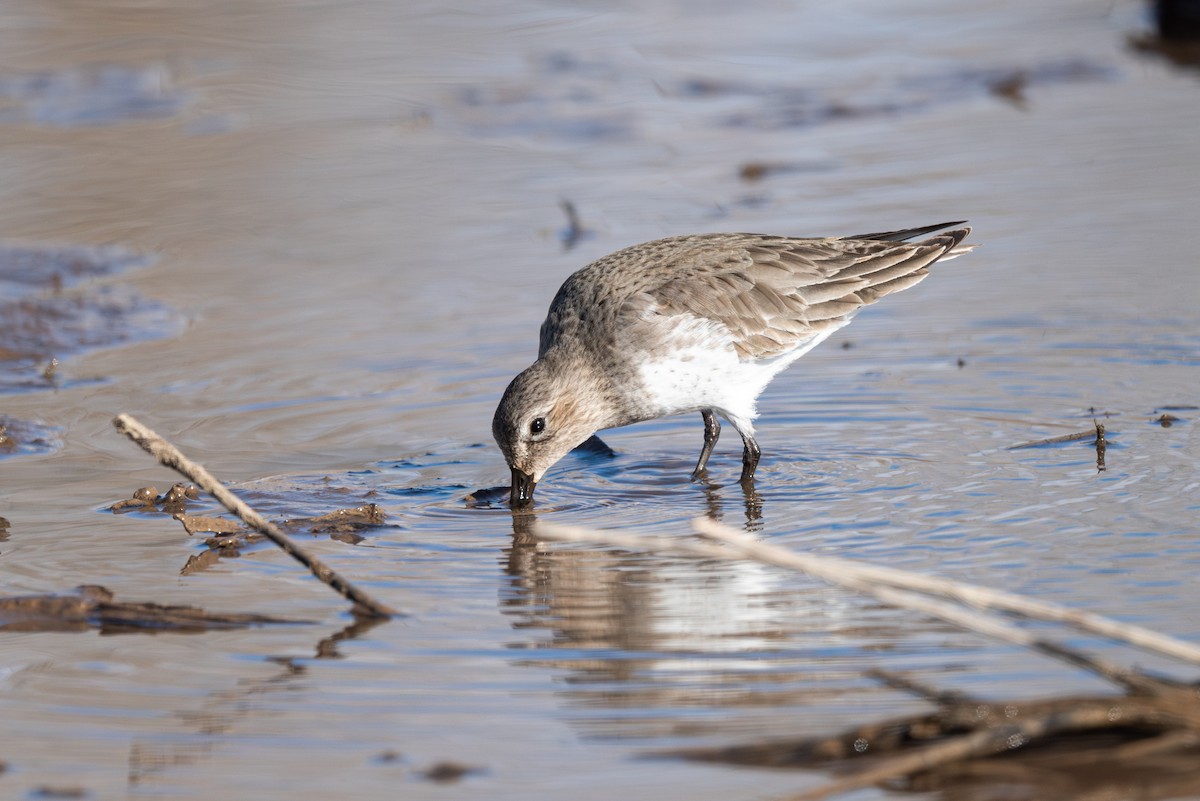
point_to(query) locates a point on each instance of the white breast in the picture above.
(696, 367)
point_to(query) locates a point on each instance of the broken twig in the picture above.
(93, 607)
(170, 456)
(1035, 443)
(1093, 715)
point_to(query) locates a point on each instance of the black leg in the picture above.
(712, 432)
(750, 456)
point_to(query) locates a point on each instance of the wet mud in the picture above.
(89, 95)
(230, 537)
(92, 607)
(146, 499)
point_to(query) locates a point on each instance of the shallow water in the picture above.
(345, 221)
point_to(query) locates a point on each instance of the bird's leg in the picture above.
(750, 455)
(712, 432)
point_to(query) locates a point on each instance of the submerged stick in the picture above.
(1097, 715)
(170, 456)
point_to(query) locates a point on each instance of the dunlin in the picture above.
(694, 324)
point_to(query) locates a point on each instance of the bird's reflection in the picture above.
(752, 502)
(637, 631)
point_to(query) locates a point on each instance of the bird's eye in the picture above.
(538, 425)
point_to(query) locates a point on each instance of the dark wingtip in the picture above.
(910, 233)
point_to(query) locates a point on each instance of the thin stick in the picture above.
(169, 456)
(900, 681)
(1078, 435)
(905, 599)
(830, 568)
(865, 578)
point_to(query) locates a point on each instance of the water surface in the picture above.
(345, 223)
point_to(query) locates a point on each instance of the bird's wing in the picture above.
(775, 294)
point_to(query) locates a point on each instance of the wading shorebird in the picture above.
(694, 324)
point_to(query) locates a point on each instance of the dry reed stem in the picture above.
(832, 568)
(170, 456)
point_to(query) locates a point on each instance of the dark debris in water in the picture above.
(22, 437)
(785, 106)
(203, 524)
(447, 772)
(228, 537)
(46, 315)
(89, 95)
(754, 171)
(58, 325)
(341, 521)
(569, 97)
(1164, 417)
(27, 269)
(94, 607)
(575, 231)
(53, 792)
(146, 499)
(1081, 746)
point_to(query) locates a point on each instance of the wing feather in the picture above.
(775, 294)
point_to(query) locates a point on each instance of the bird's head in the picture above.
(545, 412)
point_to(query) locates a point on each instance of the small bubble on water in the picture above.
(861, 745)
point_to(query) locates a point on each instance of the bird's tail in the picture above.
(955, 249)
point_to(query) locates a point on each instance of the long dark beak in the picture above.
(522, 488)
